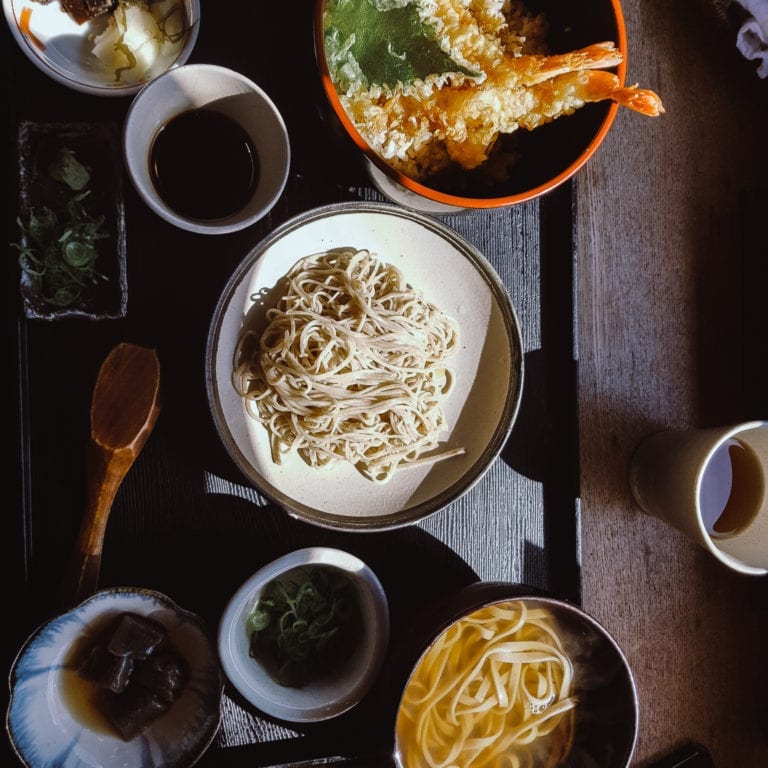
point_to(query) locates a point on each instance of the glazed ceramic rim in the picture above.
(712, 543)
(32, 50)
(270, 697)
(456, 201)
(450, 491)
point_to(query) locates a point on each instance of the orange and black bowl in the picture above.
(544, 157)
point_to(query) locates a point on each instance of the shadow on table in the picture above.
(543, 446)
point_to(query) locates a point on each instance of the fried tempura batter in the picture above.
(422, 127)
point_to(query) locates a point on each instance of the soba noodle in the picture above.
(494, 691)
(351, 366)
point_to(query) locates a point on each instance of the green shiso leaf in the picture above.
(385, 43)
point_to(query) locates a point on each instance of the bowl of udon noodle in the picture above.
(457, 105)
(515, 679)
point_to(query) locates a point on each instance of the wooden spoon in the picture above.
(124, 410)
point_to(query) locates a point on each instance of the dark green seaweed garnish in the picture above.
(305, 625)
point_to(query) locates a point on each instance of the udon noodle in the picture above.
(351, 366)
(494, 691)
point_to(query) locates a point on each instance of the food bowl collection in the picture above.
(542, 678)
(556, 683)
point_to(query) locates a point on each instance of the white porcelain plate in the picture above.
(55, 43)
(49, 725)
(488, 368)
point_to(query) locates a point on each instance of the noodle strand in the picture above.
(351, 367)
(493, 691)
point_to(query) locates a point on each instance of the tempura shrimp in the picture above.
(515, 71)
(460, 123)
(470, 133)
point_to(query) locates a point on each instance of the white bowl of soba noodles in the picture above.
(364, 366)
(517, 681)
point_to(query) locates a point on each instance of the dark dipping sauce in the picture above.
(204, 165)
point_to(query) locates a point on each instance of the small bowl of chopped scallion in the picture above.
(303, 639)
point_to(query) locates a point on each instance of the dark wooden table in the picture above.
(632, 289)
(671, 255)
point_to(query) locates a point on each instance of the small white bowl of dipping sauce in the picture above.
(206, 149)
(336, 674)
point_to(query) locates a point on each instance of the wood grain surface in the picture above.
(665, 274)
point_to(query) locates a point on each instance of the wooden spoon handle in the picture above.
(105, 473)
(124, 410)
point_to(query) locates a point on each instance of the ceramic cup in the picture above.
(210, 88)
(711, 485)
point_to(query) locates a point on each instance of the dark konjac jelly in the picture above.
(204, 165)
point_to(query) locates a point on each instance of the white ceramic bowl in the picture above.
(57, 45)
(49, 722)
(480, 411)
(212, 87)
(327, 696)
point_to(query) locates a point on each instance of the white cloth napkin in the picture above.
(752, 35)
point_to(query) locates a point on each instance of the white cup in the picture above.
(208, 86)
(711, 484)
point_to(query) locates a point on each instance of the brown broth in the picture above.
(85, 702)
(204, 165)
(83, 698)
(735, 478)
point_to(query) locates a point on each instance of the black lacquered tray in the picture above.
(185, 522)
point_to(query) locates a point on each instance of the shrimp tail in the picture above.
(564, 94)
(638, 99)
(598, 86)
(597, 56)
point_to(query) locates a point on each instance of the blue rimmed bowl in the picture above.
(51, 719)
